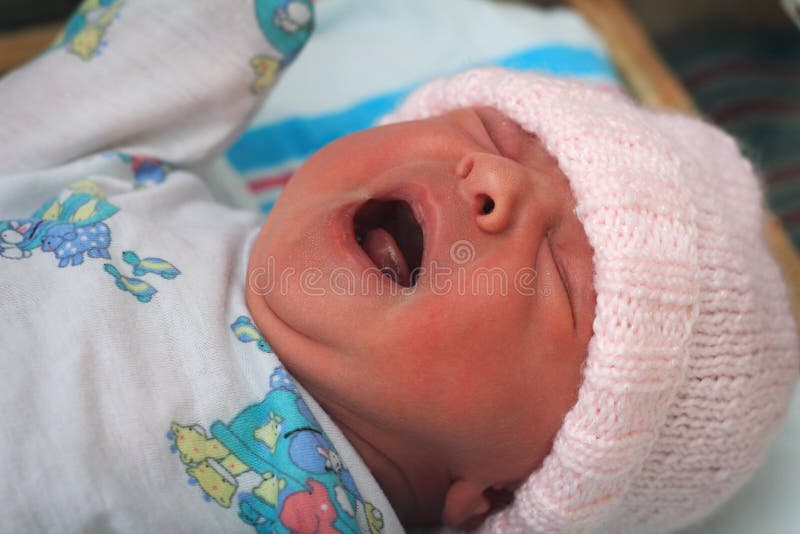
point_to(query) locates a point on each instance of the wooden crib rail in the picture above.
(637, 61)
(19, 46)
(651, 81)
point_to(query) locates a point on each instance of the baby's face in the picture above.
(431, 277)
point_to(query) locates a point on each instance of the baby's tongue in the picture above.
(383, 250)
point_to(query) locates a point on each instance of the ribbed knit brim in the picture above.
(694, 352)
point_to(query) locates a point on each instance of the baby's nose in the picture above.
(492, 185)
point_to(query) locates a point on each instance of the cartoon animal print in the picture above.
(332, 460)
(246, 331)
(82, 203)
(310, 512)
(68, 225)
(85, 211)
(302, 484)
(138, 288)
(56, 207)
(343, 498)
(264, 517)
(194, 446)
(11, 237)
(162, 268)
(292, 16)
(200, 454)
(269, 432)
(234, 465)
(286, 24)
(84, 32)
(68, 243)
(374, 518)
(146, 170)
(265, 69)
(280, 379)
(88, 187)
(214, 484)
(314, 453)
(269, 488)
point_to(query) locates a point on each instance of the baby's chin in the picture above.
(280, 296)
(266, 288)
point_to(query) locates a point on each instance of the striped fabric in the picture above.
(363, 60)
(292, 140)
(749, 84)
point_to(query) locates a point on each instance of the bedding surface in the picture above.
(748, 82)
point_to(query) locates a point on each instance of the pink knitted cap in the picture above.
(694, 353)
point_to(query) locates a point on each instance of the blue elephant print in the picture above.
(69, 243)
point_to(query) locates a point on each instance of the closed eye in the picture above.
(505, 134)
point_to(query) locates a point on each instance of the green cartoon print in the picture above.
(84, 33)
(246, 331)
(143, 291)
(302, 485)
(142, 266)
(138, 288)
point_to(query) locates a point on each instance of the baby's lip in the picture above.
(391, 236)
(417, 199)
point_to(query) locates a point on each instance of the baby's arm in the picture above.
(173, 81)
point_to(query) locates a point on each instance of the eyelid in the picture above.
(562, 273)
(488, 129)
(504, 133)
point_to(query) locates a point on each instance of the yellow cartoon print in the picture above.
(279, 467)
(270, 432)
(194, 446)
(84, 33)
(265, 69)
(269, 488)
(85, 190)
(213, 483)
(374, 518)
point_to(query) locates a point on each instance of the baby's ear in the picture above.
(465, 504)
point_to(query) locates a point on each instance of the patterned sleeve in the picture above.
(174, 81)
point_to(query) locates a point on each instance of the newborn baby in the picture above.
(523, 304)
(425, 368)
(642, 412)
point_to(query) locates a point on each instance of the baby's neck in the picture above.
(414, 485)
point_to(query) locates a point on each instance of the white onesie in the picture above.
(138, 394)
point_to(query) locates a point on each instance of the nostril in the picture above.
(487, 204)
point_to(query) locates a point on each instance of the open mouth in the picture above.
(392, 238)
